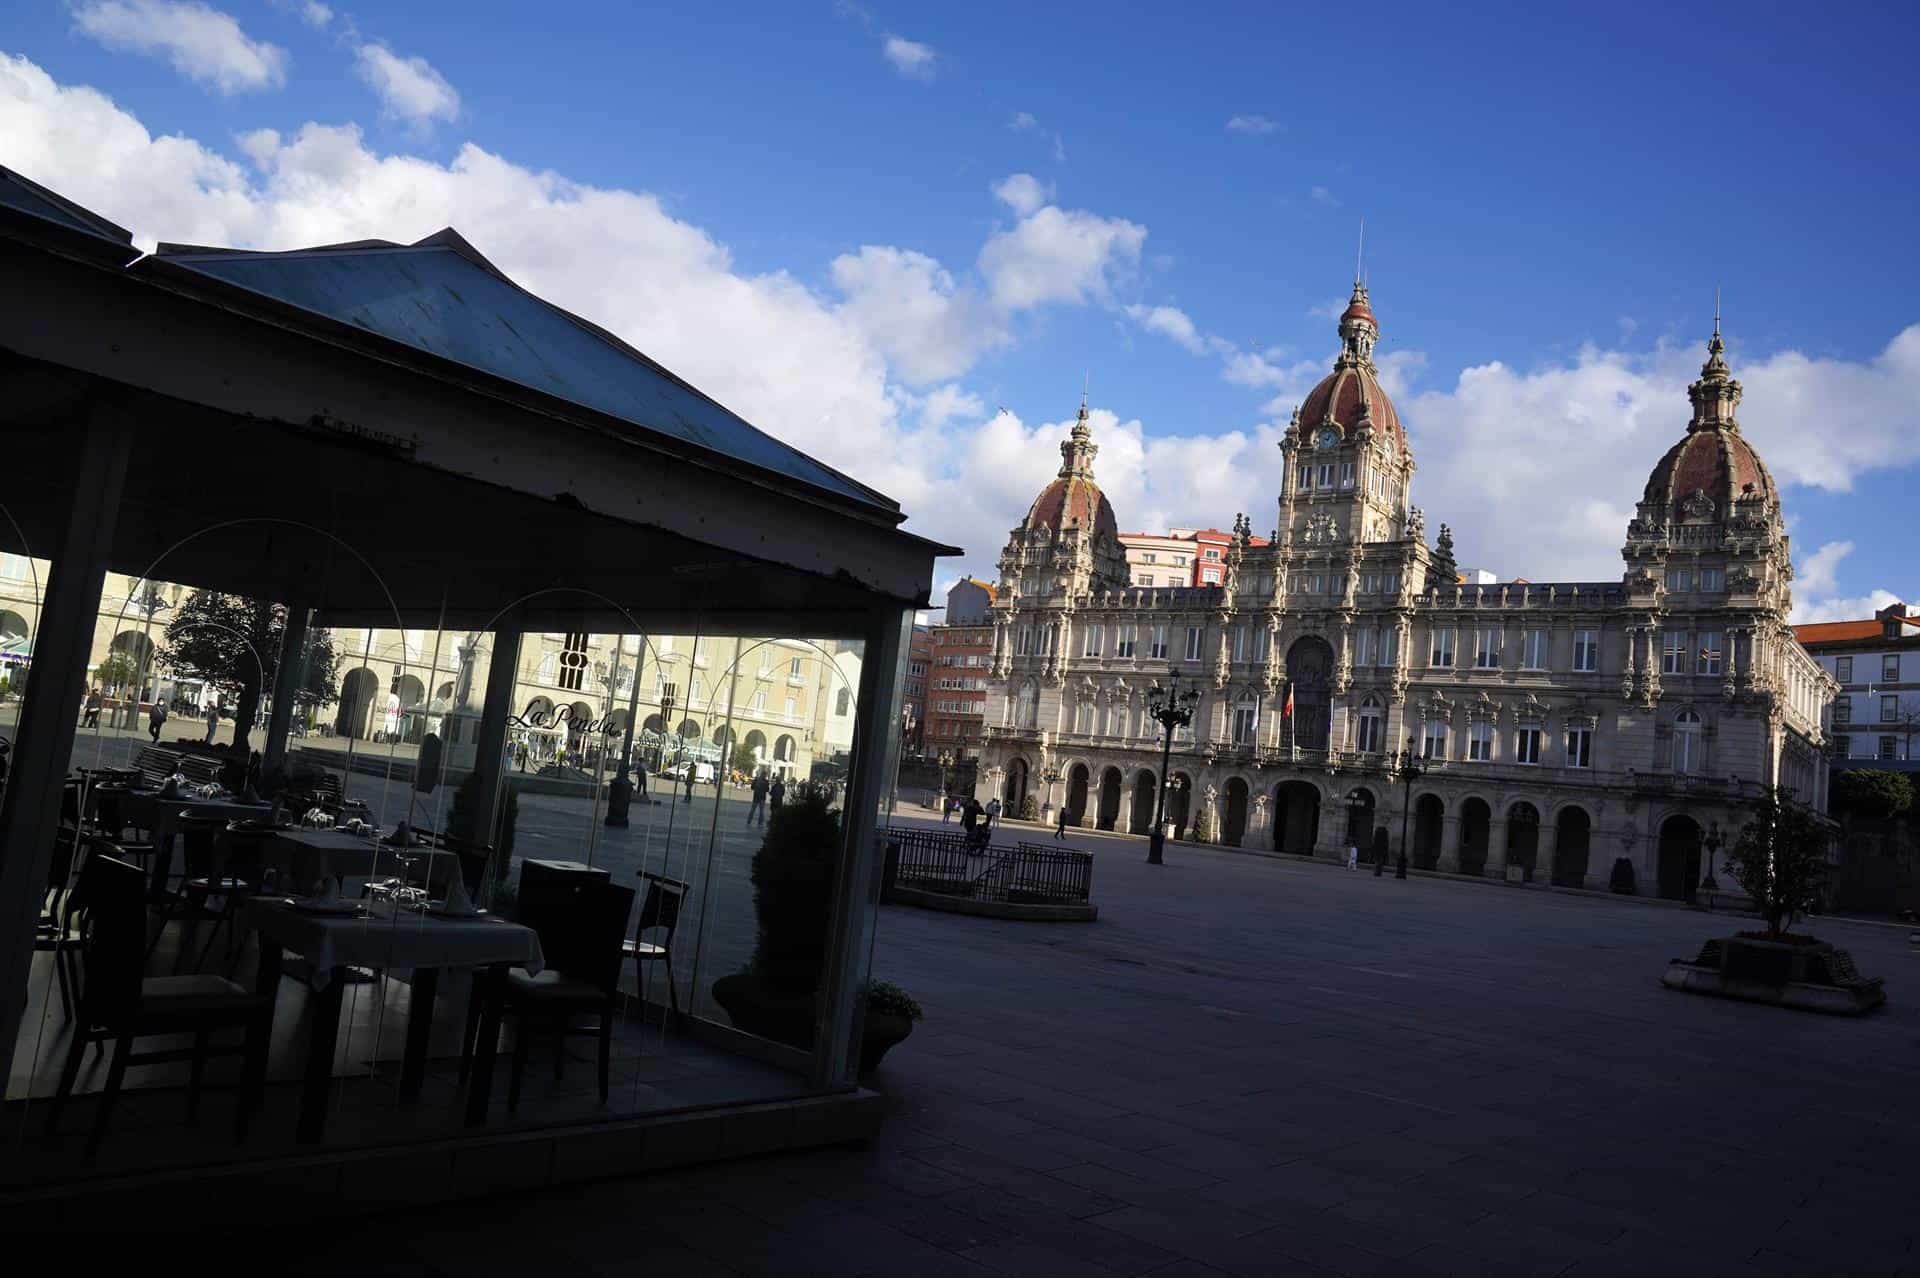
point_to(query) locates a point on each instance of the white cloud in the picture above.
(1023, 121)
(1252, 124)
(1536, 469)
(1170, 322)
(202, 43)
(910, 58)
(1816, 588)
(408, 88)
(909, 308)
(1321, 195)
(1056, 255)
(1023, 193)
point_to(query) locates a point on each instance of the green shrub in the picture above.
(793, 889)
(1203, 826)
(1872, 795)
(1030, 808)
(887, 998)
(1621, 880)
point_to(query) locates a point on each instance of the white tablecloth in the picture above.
(309, 855)
(396, 939)
(150, 810)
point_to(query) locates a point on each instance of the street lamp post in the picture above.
(1172, 709)
(1406, 767)
(1051, 774)
(946, 761)
(1712, 841)
(666, 726)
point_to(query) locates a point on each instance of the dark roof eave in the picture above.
(183, 279)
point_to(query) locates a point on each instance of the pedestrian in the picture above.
(688, 796)
(1060, 823)
(213, 720)
(757, 813)
(93, 710)
(778, 792)
(969, 816)
(946, 807)
(156, 719)
(993, 812)
(1353, 857)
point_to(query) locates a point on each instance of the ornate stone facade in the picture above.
(1567, 725)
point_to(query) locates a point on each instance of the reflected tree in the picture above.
(234, 643)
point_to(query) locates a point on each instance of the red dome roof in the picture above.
(1342, 393)
(1073, 502)
(1719, 463)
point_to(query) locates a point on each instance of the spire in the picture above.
(1716, 394)
(1078, 450)
(1358, 330)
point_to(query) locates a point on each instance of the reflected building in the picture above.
(1566, 725)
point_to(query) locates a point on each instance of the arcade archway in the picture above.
(1296, 817)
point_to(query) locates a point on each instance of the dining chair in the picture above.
(53, 934)
(119, 1002)
(659, 911)
(222, 865)
(110, 821)
(581, 937)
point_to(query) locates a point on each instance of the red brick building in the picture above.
(957, 687)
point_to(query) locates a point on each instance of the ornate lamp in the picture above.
(1172, 708)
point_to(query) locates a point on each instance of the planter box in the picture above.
(1814, 977)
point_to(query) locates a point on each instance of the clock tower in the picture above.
(1348, 466)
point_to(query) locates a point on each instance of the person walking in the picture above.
(778, 792)
(757, 813)
(213, 720)
(1060, 823)
(93, 710)
(156, 719)
(993, 813)
(946, 807)
(969, 818)
(1353, 856)
(688, 796)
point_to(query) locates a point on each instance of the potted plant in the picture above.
(891, 1012)
(773, 996)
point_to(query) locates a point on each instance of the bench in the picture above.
(155, 765)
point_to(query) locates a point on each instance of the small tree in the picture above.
(793, 890)
(116, 671)
(1871, 795)
(1779, 859)
(235, 643)
(743, 760)
(1441, 569)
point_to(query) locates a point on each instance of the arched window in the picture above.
(1373, 726)
(843, 703)
(1246, 719)
(1688, 750)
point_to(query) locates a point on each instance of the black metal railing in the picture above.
(1025, 874)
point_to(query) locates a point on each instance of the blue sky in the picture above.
(872, 228)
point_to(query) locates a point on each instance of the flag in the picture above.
(1287, 712)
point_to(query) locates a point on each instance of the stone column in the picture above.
(1497, 846)
(1449, 861)
(1259, 819)
(1331, 839)
(1123, 821)
(1549, 847)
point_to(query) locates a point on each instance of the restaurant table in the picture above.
(160, 815)
(394, 939)
(305, 856)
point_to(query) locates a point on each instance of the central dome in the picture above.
(1351, 396)
(1713, 466)
(1073, 500)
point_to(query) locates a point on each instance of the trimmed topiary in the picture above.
(1621, 880)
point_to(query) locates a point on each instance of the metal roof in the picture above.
(442, 297)
(25, 196)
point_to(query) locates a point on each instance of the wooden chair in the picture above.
(119, 1002)
(220, 864)
(659, 909)
(54, 933)
(581, 938)
(110, 823)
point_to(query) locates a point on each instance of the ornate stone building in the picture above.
(1566, 724)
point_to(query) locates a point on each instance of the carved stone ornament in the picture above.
(1641, 582)
(1742, 579)
(1483, 709)
(1531, 710)
(1416, 522)
(1436, 707)
(1320, 531)
(1697, 505)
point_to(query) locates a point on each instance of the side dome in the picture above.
(1713, 466)
(1073, 500)
(1351, 396)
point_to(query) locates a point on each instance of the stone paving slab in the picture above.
(1254, 1067)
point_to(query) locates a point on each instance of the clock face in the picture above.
(1329, 437)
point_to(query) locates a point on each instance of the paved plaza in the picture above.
(1258, 1066)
